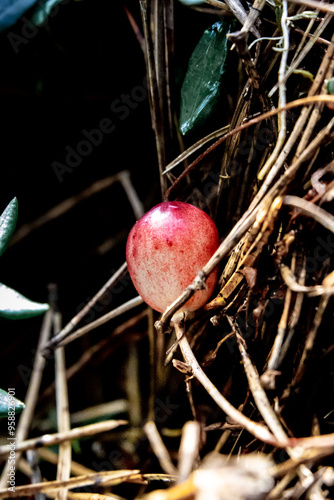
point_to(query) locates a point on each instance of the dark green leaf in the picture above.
(201, 87)
(9, 404)
(8, 220)
(13, 305)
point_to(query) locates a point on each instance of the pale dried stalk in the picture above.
(189, 449)
(282, 94)
(127, 306)
(100, 411)
(161, 106)
(308, 208)
(325, 441)
(302, 120)
(294, 318)
(281, 328)
(132, 386)
(169, 49)
(31, 462)
(244, 224)
(292, 284)
(97, 478)
(233, 261)
(237, 8)
(63, 415)
(159, 448)
(316, 112)
(192, 149)
(257, 430)
(51, 457)
(94, 350)
(136, 204)
(92, 496)
(322, 26)
(25, 467)
(61, 437)
(257, 238)
(309, 455)
(311, 336)
(262, 402)
(308, 483)
(22, 429)
(52, 344)
(313, 4)
(253, 121)
(154, 82)
(253, 14)
(306, 34)
(259, 395)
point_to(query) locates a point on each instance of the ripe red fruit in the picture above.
(165, 250)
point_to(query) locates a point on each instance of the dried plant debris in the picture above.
(234, 400)
(219, 477)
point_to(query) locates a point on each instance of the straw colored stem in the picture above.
(257, 430)
(61, 437)
(63, 416)
(31, 396)
(118, 275)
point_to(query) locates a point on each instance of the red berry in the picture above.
(166, 249)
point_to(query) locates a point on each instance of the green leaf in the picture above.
(11, 11)
(330, 86)
(8, 220)
(42, 11)
(8, 404)
(13, 305)
(201, 89)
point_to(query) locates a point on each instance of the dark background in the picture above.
(65, 79)
(55, 82)
(62, 81)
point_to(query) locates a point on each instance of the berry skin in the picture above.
(166, 249)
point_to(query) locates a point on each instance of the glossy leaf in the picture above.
(201, 89)
(42, 11)
(192, 2)
(8, 403)
(8, 220)
(13, 305)
(12, 10)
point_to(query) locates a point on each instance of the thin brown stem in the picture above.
(26, 417)
(257, 430)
